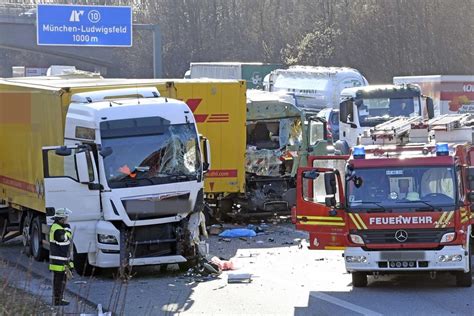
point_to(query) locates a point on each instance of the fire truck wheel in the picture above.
(36, 240)
(359, 279)
(464, 279)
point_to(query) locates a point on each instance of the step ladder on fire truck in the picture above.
(447, 128)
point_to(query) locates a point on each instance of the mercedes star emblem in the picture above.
(401, 235)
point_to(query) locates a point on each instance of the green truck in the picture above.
(252, 73)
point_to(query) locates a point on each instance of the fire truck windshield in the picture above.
(409, 188)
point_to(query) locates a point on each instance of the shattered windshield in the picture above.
(373, 111)
(426, 188)
(148, 151)
(271, 146)
(274, 134)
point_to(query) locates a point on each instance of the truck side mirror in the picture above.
(83, 166)
(63, 151)
(346, 113)
(344, 110)
(470, 178)
(106, 151)
(330, 183)
(430, 107)
(206, 164)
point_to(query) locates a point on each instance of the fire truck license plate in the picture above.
(402, 255)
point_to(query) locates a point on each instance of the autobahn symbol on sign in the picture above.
(75, 25)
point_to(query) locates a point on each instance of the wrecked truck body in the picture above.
(280, 135)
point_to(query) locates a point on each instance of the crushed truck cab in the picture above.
(398, 204)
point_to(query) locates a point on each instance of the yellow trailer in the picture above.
(218, 106)
(33, 115)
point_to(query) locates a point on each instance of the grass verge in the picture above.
(14, 301)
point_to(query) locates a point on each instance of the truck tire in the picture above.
(26, 223)
(464, 279)
(359, 279)
(81, 264)
(36, 240)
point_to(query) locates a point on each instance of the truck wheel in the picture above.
(464, 279)
(81, 264)
(36, 240)
(359, 279)
(26, 233)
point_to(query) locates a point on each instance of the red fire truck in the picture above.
(396, 204)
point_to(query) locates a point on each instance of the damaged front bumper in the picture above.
(142, 245)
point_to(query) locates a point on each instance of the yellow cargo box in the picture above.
(27, 103)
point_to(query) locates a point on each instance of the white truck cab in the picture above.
(132, 174)
(362, 108)
(314, 87)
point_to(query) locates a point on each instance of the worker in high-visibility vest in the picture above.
(60, 259)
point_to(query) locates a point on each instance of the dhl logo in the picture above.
(206, 118)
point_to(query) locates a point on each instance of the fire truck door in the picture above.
(326, 224)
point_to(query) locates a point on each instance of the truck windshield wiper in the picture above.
(432, 208)
(178, 176)
(380, 210)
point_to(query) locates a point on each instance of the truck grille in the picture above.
(414, 236)
(158, 207)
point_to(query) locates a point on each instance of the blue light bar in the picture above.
(442, 149)
(359, 152)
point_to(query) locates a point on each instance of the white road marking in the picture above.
(344, 304)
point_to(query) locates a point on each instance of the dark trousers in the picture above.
(59, 285)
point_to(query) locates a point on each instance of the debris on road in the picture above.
(238, 232)
(239, 278)
(223, 265)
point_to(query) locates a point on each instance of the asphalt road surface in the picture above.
(286, 280)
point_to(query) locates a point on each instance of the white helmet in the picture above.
(62, 212)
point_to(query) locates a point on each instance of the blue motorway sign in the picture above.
(75, 25)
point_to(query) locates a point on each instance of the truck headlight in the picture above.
(107, 239)
(448, 237)
(356, 239)
(356, 259)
